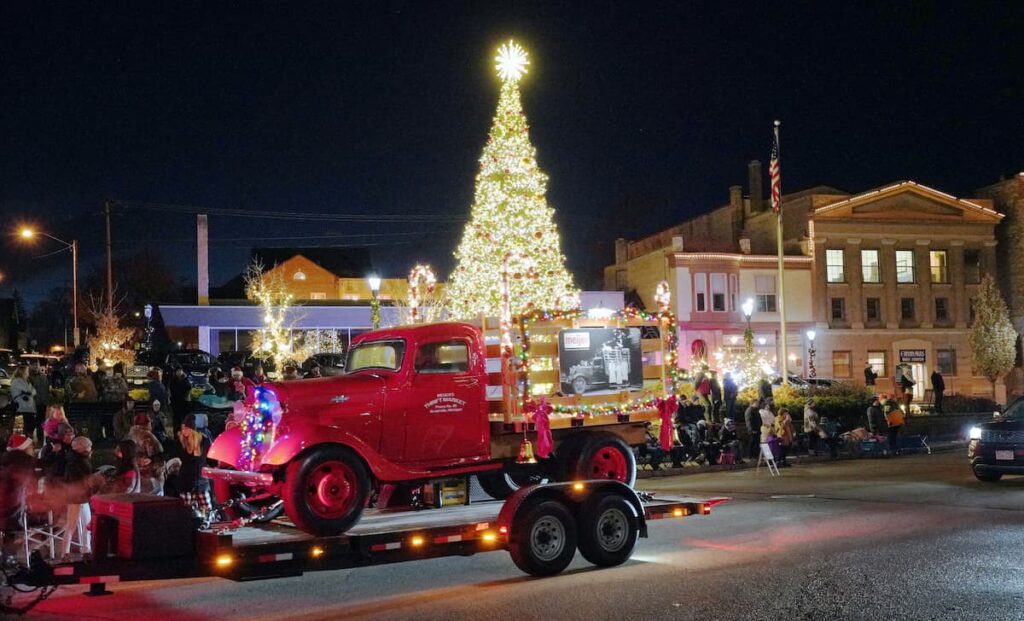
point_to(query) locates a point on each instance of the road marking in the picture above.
(778, 496)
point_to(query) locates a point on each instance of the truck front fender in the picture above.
(227, 447)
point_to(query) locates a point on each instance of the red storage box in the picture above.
(140, 526)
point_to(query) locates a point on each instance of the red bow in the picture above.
(667, 407)
(541, 419)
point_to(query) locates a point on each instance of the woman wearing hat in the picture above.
(17, 475)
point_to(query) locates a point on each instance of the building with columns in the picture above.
(894, 273)
(882, 277)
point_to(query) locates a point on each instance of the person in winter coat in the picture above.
(702, 390)
(148, 451)
(80, 388)
(127, 477)
(729, 392)
(894, 422)
(23, 395)
(876, 419)
(53, 459)
(752, 419)
(729, 440)
(241, 386)
(869, 375)
(938, 387)
(811, 424)
(907, 384)
(764, 391)
(193, 489)
(786, 434)
(41, 382)
(17, 480)
(155, 386)
(181, 397)
(828, 431)
(767, 421)
(115, 387)
(716, 398)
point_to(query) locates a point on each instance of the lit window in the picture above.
(734, 287)
(765, 294)
(939, 266)
(869, 266)
(299, 275)
(905, 266)
(317, 295)
(841, 363)
(834, 265)
(877, 361)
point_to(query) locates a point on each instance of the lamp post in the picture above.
(27, 233)
(811, 371)
(374, 282)
(748, 336)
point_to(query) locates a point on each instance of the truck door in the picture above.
(444, 404)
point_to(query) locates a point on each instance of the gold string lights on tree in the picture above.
(510, 214)
(421, 284)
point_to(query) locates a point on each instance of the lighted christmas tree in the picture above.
(511, 223)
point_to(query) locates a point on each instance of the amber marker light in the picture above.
(316, 552)
(224, 560)
(417, 541)
(489, 536)
(577, 487)
(677, 512)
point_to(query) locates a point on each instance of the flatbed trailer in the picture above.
(542, 527)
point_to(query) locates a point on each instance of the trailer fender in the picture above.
(226, 447)
(573, 495)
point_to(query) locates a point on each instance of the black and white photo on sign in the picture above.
(600, 360)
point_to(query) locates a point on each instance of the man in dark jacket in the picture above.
(938, 387)
(752, 419)
(181, 397)
(41, 382)
(876, 418)
(716, 398)
(729, 392)
(869, 375)
(764, 391)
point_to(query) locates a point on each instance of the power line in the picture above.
(291, 215)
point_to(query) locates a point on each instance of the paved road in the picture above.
(905, 538)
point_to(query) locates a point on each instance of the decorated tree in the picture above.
(269, 290)
(510, 217)
(992, 338)
(111, 342)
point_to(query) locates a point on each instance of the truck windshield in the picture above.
(1015, 411)
(376, 355)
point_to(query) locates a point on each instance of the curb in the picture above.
(796, 460)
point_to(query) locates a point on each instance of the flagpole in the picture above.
(784, 362)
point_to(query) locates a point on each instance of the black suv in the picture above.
(195, 362)
(997, 448)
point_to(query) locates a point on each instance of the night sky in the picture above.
(642, 116)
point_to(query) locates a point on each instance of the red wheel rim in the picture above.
(331, 489)
(609, 463)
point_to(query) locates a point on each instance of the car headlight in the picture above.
(975, 433)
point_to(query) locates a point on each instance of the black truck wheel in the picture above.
(325, 492)
(609, 530)
(604, 456)
(988, 477)
(500, 484)
(543, 538)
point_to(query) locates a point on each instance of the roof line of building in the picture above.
(900, 184)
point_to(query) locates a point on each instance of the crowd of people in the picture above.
(47, 469)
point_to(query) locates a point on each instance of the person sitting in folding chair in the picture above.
(17, 475)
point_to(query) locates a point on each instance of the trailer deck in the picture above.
(278, 549)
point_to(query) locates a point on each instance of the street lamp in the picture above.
(27, 233)
(748, 336)
(374, 282)
(811, 371)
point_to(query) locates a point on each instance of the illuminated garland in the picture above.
(257, 428)
(669, 333)
(421, 281)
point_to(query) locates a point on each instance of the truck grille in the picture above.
(1006, 436)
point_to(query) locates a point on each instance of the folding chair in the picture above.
(769, 460)
(78, 523)
(39, 531)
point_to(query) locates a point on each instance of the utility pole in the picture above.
(110, 268)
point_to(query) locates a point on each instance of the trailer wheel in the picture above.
(605, 456)
(324, 493)
(609, 530)
(543, 538)
(500, 484)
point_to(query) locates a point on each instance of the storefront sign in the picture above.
(912, 355)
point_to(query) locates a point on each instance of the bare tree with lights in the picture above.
(510, 214)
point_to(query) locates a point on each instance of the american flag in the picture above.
(775, 173)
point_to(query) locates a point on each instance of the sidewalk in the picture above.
(939, 446)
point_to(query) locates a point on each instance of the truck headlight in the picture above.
(975, 433)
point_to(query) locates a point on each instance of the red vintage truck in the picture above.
(413, 407)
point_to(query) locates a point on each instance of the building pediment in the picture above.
(908, 201)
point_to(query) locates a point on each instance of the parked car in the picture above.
(196, 362)
(45, 360)
(330, 364)
(247, 361)
(997, 447)
(6, 358)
